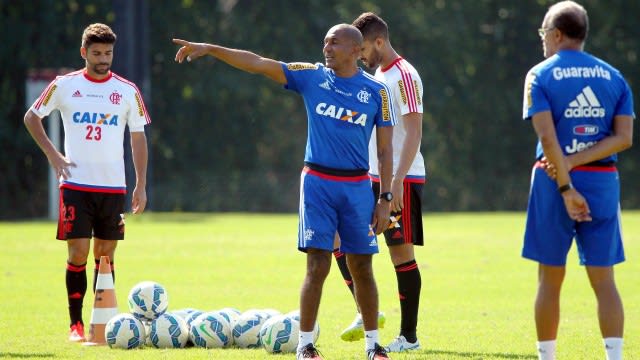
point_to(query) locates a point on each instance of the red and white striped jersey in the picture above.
(406, 88)
(94, 114)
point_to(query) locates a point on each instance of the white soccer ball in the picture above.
(192, 316)
(229, 313)
(211, 330)
(270, 312)
(124, 331)
(169, 331)
(148, 300)
(279, 334)
(246, 329)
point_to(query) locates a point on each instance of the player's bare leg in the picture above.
(355, 330)
(104, 248)
(547, 306)
(610, 309)
(318, 266)
(366, 292)
(78, 250)
(401, 253)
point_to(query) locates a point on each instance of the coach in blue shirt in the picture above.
(343, 105)
(582, 111)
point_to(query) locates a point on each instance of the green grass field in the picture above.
(477, 297)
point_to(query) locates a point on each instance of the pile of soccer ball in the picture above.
(149, 323)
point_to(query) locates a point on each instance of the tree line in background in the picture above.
(224, 140)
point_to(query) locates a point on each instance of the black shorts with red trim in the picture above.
(405, 226)
(86, 214)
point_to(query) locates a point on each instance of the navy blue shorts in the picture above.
(342, 203)
(550, 231)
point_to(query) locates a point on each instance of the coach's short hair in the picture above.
(371, 26)
(97, 33)
(570, 18)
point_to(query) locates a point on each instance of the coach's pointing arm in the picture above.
(241, 59)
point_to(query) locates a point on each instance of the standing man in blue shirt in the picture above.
(582, 111)
(343, 105)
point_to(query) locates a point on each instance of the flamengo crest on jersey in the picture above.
(341, 113)
(406, 89)
(94, 115)
(583, 94)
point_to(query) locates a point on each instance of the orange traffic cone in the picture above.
(104, 305)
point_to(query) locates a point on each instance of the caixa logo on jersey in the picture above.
(586, 130)
(341, 113)
(95, 118)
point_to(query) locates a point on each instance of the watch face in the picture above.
(387, 196)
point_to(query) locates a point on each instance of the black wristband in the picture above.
(565, 187)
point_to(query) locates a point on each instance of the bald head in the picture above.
(348, 32)
(570, 18)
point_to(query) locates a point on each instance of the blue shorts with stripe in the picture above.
(550, 231)
(330, 203)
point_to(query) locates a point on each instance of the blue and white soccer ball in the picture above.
(124, 331)
(229, 313)
(192, 316)
(246, 329)
(148, 300)
(270, 312)
(279, 334)
(169, 331)
(211, 330)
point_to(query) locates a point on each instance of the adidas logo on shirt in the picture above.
(76, 94)
(325, 85)
(585, 105)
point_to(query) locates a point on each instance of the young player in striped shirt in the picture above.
(95, 105)
(409, 175)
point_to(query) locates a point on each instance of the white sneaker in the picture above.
(355, 331)
(400, 344)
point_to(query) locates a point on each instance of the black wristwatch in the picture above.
(386, 196)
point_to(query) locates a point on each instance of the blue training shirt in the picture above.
(583, 93)
(341, 113)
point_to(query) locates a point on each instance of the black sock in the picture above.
(341, 260)
(76, 279)
(409, 284)
(96, 270)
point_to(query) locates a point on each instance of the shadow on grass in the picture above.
(478, 355)
(25, 355)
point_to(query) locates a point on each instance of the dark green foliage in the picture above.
(223, 140)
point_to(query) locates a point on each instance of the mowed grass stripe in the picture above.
(477, 292)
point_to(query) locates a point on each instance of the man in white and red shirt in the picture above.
(405, 229)
(95, 105)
